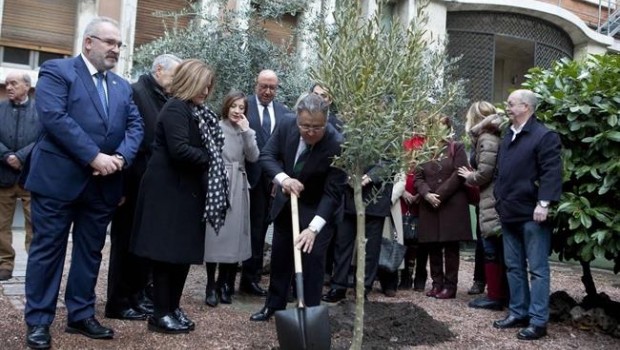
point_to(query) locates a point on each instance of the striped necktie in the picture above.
(101, 91)
(266, 120)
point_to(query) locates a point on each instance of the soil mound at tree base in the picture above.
(386, 325)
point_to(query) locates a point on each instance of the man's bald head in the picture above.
(266, 86)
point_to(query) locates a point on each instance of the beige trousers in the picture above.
(8, 203)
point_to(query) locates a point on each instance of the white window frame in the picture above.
(604, 3)
(33, 60)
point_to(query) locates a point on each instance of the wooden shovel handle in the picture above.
(295, 219)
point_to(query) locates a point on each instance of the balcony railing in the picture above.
(605, 20)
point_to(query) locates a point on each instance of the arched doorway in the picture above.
(497, 49)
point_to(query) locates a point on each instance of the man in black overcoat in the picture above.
(128, 274)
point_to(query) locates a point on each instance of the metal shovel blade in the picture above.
(304, 328)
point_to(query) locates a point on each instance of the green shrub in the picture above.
(581, 101)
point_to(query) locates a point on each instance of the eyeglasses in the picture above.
(510, 104)
(308, 128)
(109, 42)
(267, 86)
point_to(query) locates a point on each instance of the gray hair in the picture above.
(166, 61)
(301, 97)
(92, 28)
(529, 98)
(312, 104)
(25, 77)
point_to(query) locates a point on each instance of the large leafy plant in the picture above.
(581, 101)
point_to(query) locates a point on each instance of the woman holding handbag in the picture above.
(444, 213)
(417, 255)
(483, 126)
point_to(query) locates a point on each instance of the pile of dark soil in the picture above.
(387, 326)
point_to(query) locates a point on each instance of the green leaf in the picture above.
(579, 237)
(586, 252)
(586, 220)
(600, 236)
(585, 109)
(613, 135)
(588, 140)
(599, 252)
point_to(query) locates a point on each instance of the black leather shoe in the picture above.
(334, 295)
(263, 315)
(252, 288)
(167, 324)
(91, 328)
(38, 337)
(211, 297)
(486, 303)
(476, 288)
(225, 294)
(419, 286)
(181, 316)
(405, 280)
(130, 314)
(511, 322)
(532, 333)
(143, 304)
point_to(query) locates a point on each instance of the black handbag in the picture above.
(392, 254)
(410, 227)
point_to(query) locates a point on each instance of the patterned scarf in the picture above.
(214, 178)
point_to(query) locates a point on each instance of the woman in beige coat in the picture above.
(484, 130)
(232, 244)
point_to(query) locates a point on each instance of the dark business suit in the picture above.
(322, 195)
(378, 206)
(260, 190)
(65, 192)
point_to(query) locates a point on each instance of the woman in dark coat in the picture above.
(169, 226)
(444, 215)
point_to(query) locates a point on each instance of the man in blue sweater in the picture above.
(529, 180)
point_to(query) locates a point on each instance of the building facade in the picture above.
(497, 40)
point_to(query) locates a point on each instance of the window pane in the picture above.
(15, 55)
(44, 56)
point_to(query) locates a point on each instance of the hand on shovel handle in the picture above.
(305, 241)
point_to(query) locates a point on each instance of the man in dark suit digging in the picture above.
(299, 158)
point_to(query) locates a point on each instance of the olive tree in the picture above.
(389, 81)
(236, 51)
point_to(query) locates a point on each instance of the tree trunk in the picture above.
(587, 280)
(360, 209)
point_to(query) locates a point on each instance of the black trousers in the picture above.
(345, 245)
(283, 268)
(260, 199)
(168, 282)
(444, 261)
(128, 274)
